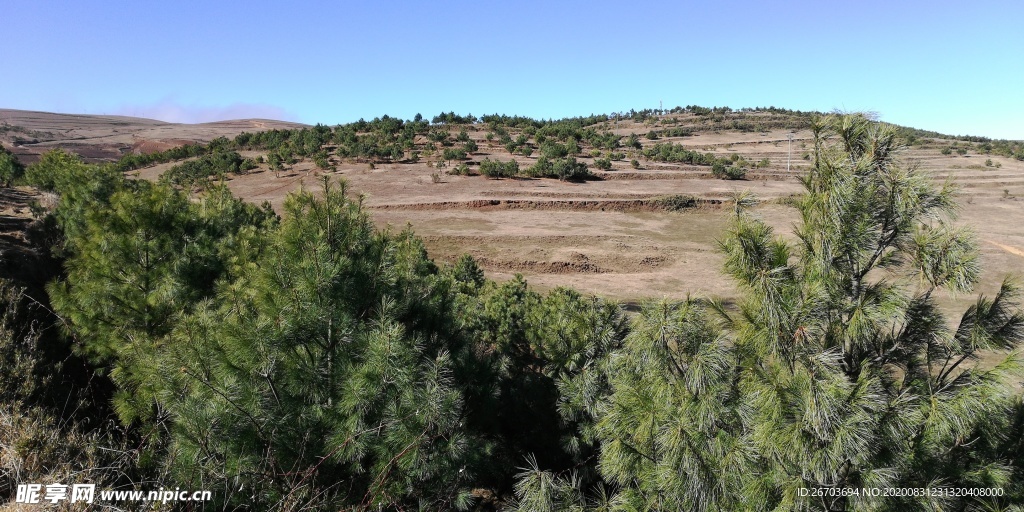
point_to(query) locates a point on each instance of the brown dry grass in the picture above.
(601, 251)
(592, 235)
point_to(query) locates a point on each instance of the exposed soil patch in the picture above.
(610, 205)
(703, 174)
(542, 267)
(1007, 248)
(99, 138)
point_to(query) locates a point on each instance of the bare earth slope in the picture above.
(103, 138)
(605, 236)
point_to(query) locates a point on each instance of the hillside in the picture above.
(105, 138)
(230, 312)
(620, 233)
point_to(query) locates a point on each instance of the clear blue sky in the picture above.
(950, 66)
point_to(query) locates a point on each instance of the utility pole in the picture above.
(790, 158)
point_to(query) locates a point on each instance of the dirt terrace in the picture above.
(612, 236)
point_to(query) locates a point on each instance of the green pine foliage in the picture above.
(497, 169)
(81, 187)
(722, 168)
(198, 171)
(564, 168)
(313, 362)
(322, 374)
(838, 371)
(11, 169)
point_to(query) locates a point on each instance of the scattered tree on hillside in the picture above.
(10, 168)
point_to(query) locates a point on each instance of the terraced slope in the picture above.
(636, 231)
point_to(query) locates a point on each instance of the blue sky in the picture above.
(950, 66)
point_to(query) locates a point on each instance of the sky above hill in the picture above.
(950, 66)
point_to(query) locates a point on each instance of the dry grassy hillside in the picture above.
(620, 234)
(103, 138)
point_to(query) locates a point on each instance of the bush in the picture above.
(633, 142)
(568, 169)
(603, 163)
(562, 168)
(438, 135)
(553, 150)
(197, 171)
(496, 169)
(668, 152)
(677, 202)
(450, 154)
(728, 172)
(321, 162)
(634, 163)
(10, 168)
(541, 169)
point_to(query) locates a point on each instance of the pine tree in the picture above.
(851, 376)
(840, 370)
(81, 187)
(318, 377)
(10, 168)
(124, 278)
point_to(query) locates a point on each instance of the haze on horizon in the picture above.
(942, 65)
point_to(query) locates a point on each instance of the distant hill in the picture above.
(105, 138)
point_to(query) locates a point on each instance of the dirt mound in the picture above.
(577, 263)
(541, 267)
(569, 254)
(609, 205)
(566, 195)
(520, 239)
(702, 175)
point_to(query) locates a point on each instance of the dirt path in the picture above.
(1008, 248)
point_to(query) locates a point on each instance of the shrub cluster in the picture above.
(199, 170)
(497, 169)
(732, 168)
(564, 168)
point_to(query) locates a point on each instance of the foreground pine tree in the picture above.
(318, 378)
(839, 371)
(850, 376)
